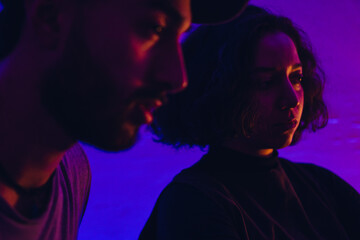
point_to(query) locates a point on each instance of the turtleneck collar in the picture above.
(221, 158)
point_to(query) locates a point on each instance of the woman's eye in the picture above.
(296, 78)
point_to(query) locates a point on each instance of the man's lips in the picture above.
(147, 107)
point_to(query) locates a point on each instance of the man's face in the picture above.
(120, 60)
(279, 96)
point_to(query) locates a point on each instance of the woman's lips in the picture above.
(285, 126)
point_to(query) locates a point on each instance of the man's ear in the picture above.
(46, 17)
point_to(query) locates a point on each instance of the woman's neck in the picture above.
(246, 148)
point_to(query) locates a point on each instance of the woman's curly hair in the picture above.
(218, 102)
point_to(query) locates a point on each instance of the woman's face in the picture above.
(278, 93)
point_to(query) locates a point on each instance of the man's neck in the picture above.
(32, 143)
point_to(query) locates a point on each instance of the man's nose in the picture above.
(170, 68)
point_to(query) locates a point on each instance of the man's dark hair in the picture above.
(12, 18)
(218, 102)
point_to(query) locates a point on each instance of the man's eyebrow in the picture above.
(168, 9)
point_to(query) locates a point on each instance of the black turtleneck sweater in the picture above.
(229, 195)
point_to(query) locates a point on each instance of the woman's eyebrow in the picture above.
(297, 65)
(273, 69)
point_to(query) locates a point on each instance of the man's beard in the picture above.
(85, 102)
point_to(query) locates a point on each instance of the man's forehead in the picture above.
(178, 9)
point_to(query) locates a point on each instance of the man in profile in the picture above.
(80, 70)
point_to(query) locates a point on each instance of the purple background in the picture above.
(126, 185)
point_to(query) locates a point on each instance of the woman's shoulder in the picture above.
(192, 202)
(311, 170)
(193, 191)
(193, 184)
(318, 177)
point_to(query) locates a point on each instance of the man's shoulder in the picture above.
(76, 160)
(75, 167)
(76, 153)
(75, 173)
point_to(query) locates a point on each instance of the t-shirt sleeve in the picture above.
(186, 213)
(345, 198)
(76, 170)
(86, 182)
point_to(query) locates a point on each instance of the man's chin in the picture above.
(121, 144)
(112, 139)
